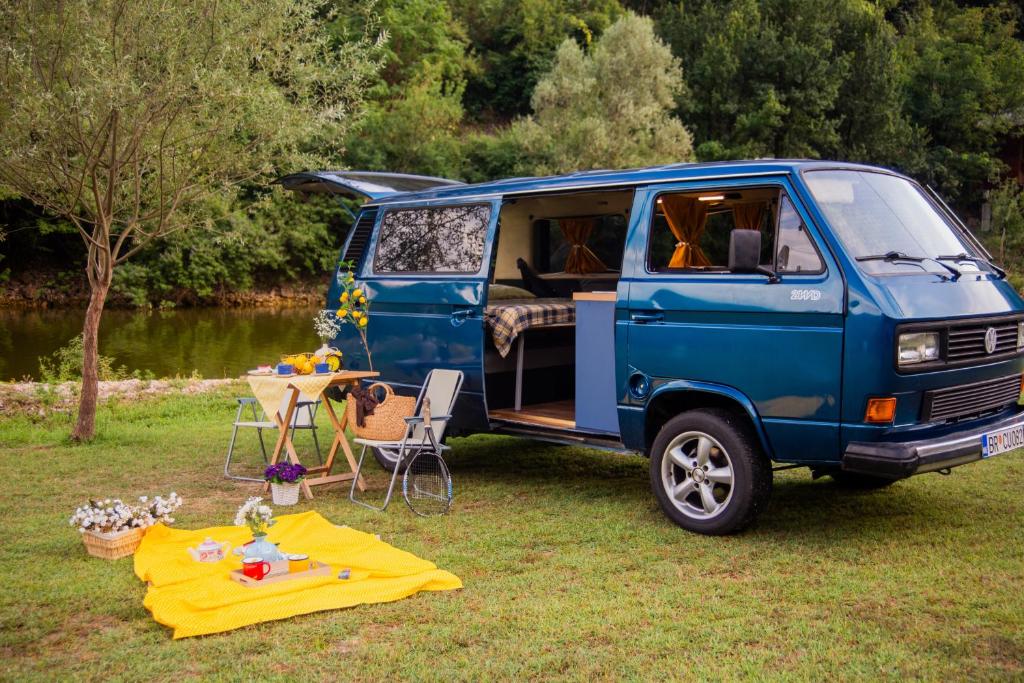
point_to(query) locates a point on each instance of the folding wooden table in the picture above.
(284, 441)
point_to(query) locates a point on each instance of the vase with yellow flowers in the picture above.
(354, 307)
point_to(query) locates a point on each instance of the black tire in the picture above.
(385, 462)
(856, 481)
(737, 447)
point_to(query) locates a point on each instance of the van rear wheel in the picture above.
(384, 461)
(708, 472)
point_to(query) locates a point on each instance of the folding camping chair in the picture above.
(441, 388)
(304, 417)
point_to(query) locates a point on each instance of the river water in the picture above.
(216, 342)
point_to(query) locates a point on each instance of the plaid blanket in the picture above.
(507, 320)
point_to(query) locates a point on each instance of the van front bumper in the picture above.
(900, 459)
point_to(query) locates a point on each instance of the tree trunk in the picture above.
(85, 427)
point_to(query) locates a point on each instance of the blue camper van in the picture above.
(717, 318)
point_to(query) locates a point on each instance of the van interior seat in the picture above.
(532, 280)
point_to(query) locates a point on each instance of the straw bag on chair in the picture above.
(387, 422)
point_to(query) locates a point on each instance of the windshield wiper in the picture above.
(1000, 273)
(895, 256)
(891, 256)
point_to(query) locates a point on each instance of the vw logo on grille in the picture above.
(990, 340)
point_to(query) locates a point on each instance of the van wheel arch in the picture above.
(668, 404)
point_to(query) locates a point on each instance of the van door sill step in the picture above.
(563, 438)
(556, 415)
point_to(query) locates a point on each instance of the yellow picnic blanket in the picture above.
(197, 598)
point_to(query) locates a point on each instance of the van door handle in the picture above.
(643, 318)
(460, 315)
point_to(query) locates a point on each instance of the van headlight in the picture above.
(1020, 335)
(918, 347)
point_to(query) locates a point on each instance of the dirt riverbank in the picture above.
(39, 398)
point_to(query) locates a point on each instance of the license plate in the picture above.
(1003, 441)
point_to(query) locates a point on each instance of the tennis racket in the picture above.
(427, 484)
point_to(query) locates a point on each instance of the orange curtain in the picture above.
(748, 216)
(580, 259)
(686, 218)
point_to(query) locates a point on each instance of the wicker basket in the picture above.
(112, 545)
(387, 423)
(285, 494)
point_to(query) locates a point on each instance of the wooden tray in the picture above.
(320, 569)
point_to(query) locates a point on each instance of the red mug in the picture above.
(255, 567)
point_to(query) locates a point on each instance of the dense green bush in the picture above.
(415, 131)
(1005, 238)
(279, 239)
(65, 365)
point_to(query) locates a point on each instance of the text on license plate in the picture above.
(995, 443)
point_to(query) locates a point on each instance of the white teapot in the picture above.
(210, 551)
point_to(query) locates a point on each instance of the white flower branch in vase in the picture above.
(327, 327)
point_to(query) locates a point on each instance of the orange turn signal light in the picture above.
(880, 410)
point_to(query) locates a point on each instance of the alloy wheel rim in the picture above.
(697, 475)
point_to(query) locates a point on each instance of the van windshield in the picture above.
(875, 214)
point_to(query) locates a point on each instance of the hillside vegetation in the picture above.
(481, 89)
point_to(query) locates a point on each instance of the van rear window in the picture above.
(444, 239)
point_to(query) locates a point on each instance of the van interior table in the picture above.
(567, 284)
(320, 474)
(510, 320)
(562, 275)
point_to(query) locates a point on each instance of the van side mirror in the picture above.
(745, 254)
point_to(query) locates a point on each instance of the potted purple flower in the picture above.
(284, 478)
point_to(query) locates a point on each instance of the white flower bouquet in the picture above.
(113, 515)
(159, 509)
(255, 515)
(326, 325)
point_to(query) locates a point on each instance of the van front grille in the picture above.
(967, 342)
(970, 400)
(963, 342)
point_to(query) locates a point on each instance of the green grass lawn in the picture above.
(570, 569)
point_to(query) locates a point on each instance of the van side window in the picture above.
(690, 230)
(796, 250)
(446, 239)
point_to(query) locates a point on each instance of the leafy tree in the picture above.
(609, 109)
(516, 42)
(415, 113)
(133, 119)
(415, 131)
(763, 73)
(789, 78)
(1005, 238)
(874, 126)
(423, 37)
(965, 89)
